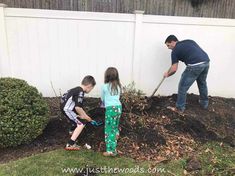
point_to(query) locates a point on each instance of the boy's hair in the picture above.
(171, 38)
(111, 76)
(88, 80)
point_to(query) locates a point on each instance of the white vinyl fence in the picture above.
(49, 47)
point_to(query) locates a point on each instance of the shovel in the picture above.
(149, 99)
(155, 90)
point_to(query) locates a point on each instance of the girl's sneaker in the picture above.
(72, 147)
(109, 154)
(87, 146)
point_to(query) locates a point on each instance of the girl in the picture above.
(110, 96)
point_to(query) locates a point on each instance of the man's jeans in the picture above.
(193, 73)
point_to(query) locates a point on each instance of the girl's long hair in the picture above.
(111, 76)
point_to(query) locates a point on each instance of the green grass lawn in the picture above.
(215, 160)
(58, 161)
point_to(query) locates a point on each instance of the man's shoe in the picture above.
(203, 105)
(109, 154)
(174, 109)
(72, 147)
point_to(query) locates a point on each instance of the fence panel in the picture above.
(61, 47)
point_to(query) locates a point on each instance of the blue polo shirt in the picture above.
(189, 52)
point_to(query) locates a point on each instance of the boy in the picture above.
(72, 107)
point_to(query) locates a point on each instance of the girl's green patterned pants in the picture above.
(112, 118)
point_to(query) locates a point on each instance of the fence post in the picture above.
(5, 67)
(136, 63)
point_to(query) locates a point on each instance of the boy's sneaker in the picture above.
(72, 147)
(71, 132)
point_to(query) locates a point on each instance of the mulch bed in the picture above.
(157, 134)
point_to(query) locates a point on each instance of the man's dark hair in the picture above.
(171, 38)
(88, 80)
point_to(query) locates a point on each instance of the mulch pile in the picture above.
(157, 134)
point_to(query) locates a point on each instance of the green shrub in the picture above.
(24, 113)
(133, 99)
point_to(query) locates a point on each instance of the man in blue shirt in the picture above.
(197, 66)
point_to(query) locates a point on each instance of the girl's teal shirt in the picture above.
(109, 99)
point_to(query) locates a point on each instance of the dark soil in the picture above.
(157, 134)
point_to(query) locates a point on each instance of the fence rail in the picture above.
(193, 8)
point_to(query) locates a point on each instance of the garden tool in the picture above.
(149, 99)
(155, 90)
(96, 123)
